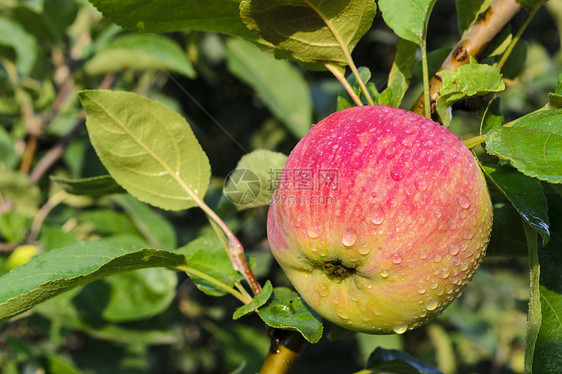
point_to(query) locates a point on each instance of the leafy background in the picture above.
(162, 323)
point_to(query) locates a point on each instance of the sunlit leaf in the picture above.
(256, 302)
(407, 18)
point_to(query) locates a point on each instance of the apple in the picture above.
(379, 219)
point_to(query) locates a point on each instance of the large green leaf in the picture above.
(255, 179)
(469, 80)
(279, 84)
(140, 52)
(310, 31)
(63, 269)
(407, 18)
(525, 194)
(533, 144)
(93, 186)
(147, 148)
(286, 310)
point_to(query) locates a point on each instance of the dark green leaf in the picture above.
(508, 239)
(140, 52)
(207, 254)
(398, 362)
(94, 186)
(310, 31)
(286, 310)
(525, 194)
(255, 179)
(404, 61)
(393, 94)
(493, 116)
(469, 80)
(533, 144)
(256, 302)
(407, 18)
(147, 148)
(344, 100)
(63, 269)
(280, 85)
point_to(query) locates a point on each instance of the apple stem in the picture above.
(286, 347)
(340, 77)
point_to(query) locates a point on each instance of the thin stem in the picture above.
(340, 77)
(475, 141)
(191, 271)
(345, 51)
(425, 70)
(517, 36)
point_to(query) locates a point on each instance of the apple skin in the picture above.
(388, 243)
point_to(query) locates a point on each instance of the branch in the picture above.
(472, 44)
(286, 347)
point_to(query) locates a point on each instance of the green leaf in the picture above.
(105, 221)
(407, 18)
(533, 144)
(279, 84)
(398, 362)
(555, 98)
(468, 11)
(469, 80)
(208, 255)
(130, 296)
(404, 61)
(221, 16)
(525, 194)
(345, 101)
(60, 270)
(256, 302)
(493, 116)
(94, 186)
(508, 239)
(147, 148)
(157, 231)
(255, 179)
(310, 31)
(13, 35)
(286, 310)
(140, 52)
(393, 94)
(548, 347)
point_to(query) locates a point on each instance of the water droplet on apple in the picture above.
(423, 255)
(357, 210)
(453, 250)
(421, 185)
(324, 291)
(397, 175)
(468, 234)
(463, 202)
(464, 266)
(384, 274)
(364, 249)
(390, 152)
(400, 328)
(428, 144)
(434, 284)
(376, 216)
(349, 238)
(437, 258)
(445, 273)
(314, 231)
(357, 163)
(421, 289)
(431, 304)
(391, 203)
(396, 258)
(298, 222)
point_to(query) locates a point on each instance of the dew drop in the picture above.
(434, 284)
(444, 273)
(314, 231)
(364, 249)
(421, 185)
(453, 250)
(396, 258)
(464, 266)
(468, 234)
(384, 274)
(343, 313)
(376, 216)
(463, 202)
(324, 291)
(428, 144)
(391, 203)
(349, 238)
(298, 222)
(357, 163)
(357, 210)
(431, 304)
(423, 255)
(397, 175)
(437, 258)
(421, 289)
(390, 152)
(400, 328)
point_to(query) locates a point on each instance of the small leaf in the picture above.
(468, 11)
(63, 269)
(147, 148)
(525, 194)
(256, 302)
(94, 186)
(404, 61)
(279, 84)
(407, 18)
(493, 116)
(469, 80)
(310, 31)
(207, 254)
(253, 182)
(286, 310)
(140, 52)
(345, 101)
(555, 98)
(393, 94)
(398, 362)
(13, 35)
(533, 144)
